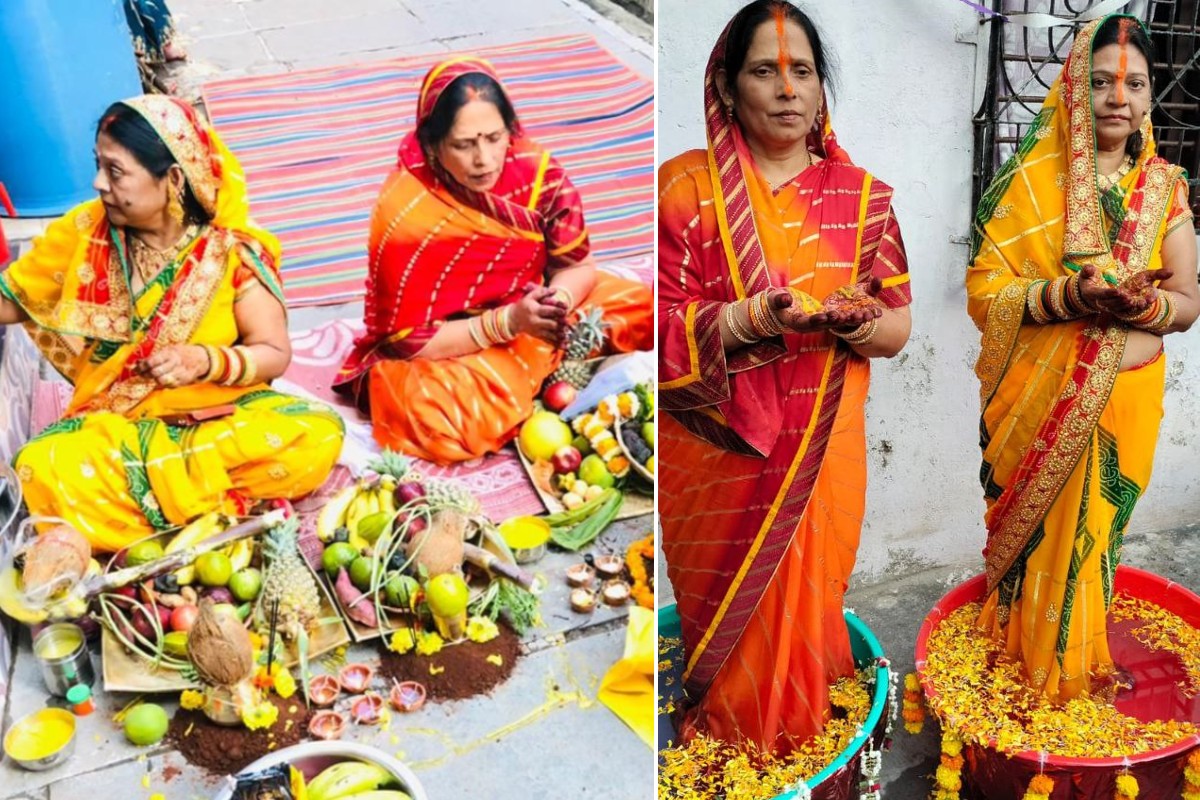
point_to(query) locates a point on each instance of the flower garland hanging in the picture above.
(1191, 777)
(1040, 787)
(639, 554)
(914, 705)
(1127, 787)
(949, 771)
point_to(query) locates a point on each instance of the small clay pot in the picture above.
(367, 709)
(355, 678)
(323, 690)
(580, 575)
(609, 567)
(327, 725)
(407, 696)
(616, 593)
(583, 601)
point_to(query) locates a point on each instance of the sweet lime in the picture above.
(401, 590)
(246, 584)
(594, 472)
(143, 552)
(146, 724)
(337, 556)
(360, 572)
(214, 569)
(648, 434)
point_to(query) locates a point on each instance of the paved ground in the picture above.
(894, 609)
(541, 734)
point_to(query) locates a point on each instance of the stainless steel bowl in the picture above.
(312, 757)
(51, 761)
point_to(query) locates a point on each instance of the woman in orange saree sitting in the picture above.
(478, 258)
(160, 302)
(762, 451)
(1084, 260)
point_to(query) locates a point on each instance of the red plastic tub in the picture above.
(990, 774)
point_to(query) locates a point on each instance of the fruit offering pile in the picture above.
(339, 781)
(400, 552)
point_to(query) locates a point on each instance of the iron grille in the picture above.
(1022, 63)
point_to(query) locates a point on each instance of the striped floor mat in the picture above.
(317, 144)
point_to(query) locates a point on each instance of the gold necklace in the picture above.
(1107, 182)
(149, 261)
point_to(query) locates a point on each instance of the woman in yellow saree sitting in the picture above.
(1084, 260)
(762, 452)
(478, 257)
(161, 303)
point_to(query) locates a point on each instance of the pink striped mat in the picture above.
(316, 145)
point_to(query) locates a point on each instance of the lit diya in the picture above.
(327, 725)
(355, 678)
(609, 566)
(616, 593)
(583, 601)
(324, 689)
(407, 696)
(367, 709)
(580, 575)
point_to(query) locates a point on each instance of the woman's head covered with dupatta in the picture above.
(465, 122)
(772, 73)
(1121, 57)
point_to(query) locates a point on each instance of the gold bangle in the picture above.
(475, 328)
(731, 324)
(211, 352)
(861, 335)
(568, 298)
(250, 366)
(504, 323)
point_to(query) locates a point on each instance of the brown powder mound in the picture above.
(229, 750)
(464, 668)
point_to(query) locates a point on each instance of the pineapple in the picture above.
(586, 335)
(289, 581)
(448, 494)
(391, 463)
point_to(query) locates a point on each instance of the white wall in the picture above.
(906, 95)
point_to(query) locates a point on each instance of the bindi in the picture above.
(784, 58)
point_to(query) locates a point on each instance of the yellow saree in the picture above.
(1068, 440)
(112, 467)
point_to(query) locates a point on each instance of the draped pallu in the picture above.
(1068, 440)
(112, 467)
(438, 252)
(762, 451)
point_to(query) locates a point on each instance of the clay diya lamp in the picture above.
(323, 690)
(616, 593)
(407, 696)
(327, 725)
(609, 567)
(367, 709)
(355, 678)
(580, 575)
(583, 601)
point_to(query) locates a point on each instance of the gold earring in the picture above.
(175, 207)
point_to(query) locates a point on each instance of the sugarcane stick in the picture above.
(486, 560)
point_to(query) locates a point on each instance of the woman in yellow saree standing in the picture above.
(762, 451)
(1084, 260)
(161, 303)
(478, 256)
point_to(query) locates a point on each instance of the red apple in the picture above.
(566, 459)
(184, 617)
(558, 396)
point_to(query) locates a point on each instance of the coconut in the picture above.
(439, 548)
(219, 647)
(60, 555)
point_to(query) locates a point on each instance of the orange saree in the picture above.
(440, 252)
(762, 452)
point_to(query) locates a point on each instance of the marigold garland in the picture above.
(948, 778)
(1127, 787)
(639, 554)
(1191, 777)
(914, 704)
(1040, 788)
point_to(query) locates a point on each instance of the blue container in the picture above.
(866, 649)
(62, 62)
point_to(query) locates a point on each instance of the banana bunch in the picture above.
(353, 779)
(195, 532)
(364, 509)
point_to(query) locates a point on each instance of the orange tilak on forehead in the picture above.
(785, 59)
(1123, 64)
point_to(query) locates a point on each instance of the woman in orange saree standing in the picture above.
(762, 452)
(478, 257)
(160, 302)
(1072, 237)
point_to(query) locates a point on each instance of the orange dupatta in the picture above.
(748, 432)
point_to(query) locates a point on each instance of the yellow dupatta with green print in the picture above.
(1067, 441)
